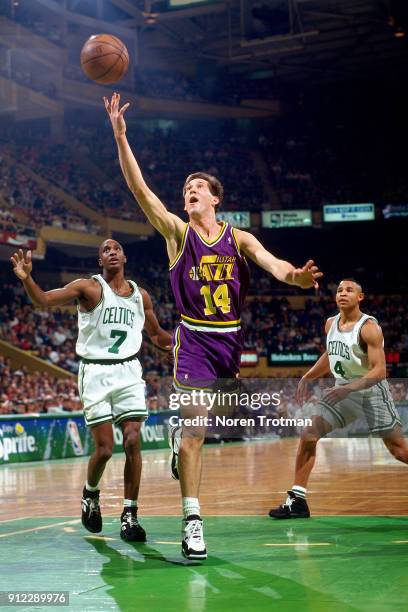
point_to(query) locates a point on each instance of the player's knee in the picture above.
(400, 453)
(131, 443)
(308, 446)
(192, 439)
(310, 437)
(104, 452)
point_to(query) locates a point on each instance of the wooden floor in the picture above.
(355, 477)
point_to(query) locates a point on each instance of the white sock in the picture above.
(89, 487)
(130, 503)
(191, 505)
(299, 491)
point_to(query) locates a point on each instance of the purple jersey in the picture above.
(210, 281)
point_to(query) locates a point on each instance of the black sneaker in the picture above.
(174, 442)
(91, 512)
(131, 530)
(294, 507)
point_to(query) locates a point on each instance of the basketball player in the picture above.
(355, 357)
(209, 276)
(112, 313)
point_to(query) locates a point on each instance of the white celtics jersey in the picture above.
(113, 329)
(347, 358)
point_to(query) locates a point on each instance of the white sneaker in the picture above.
(174, 443)
(193, 545)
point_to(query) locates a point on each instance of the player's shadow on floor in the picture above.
(130, 580)
(127, 576)
(149, 557)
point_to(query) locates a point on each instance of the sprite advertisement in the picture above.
(39, 438)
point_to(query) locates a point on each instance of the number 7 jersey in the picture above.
(210, 281)
(113, 329)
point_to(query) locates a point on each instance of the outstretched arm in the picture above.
(157, 335)
(22, 268)
(168, 224)
(282, 270)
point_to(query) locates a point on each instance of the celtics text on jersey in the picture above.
(113, 329)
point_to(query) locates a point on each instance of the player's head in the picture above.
(349, 293)
(202, 193)
(111, 255)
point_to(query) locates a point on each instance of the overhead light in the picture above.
(150, 18)
(398, 17)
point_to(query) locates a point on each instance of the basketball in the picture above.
(104, 58)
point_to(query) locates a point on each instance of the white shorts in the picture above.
(374, 407)
(112, 392)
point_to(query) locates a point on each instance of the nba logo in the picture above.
(73, 433)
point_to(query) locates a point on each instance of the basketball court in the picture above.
(349, 556)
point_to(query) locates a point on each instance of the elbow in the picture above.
(379, 372)
(382, 373)
(42, 303)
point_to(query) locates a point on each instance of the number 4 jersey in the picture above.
(113, 329)
(347, 358)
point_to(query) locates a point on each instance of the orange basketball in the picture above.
(104, 58)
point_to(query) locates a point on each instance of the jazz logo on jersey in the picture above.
(214, 268)
(336, 347)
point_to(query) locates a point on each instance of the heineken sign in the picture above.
(289, 358)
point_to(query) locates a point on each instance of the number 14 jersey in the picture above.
(210, 281)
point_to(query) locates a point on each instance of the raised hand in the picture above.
(336, 394)
(307, 276)
(116, 114)
(302, 391)
(22, 264)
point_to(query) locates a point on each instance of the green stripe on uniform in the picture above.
(336, 413)
(81, 386)
(132, 414)
(97, 421)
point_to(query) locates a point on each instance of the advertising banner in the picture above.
(43, 437)
(236, 218)
(287, 218)
(349, 212)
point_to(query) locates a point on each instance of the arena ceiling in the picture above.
(293, 40)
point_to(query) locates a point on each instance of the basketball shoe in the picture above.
(175, 442)
(131, 530)
(294, 507)
(91, 511)
(193, 545)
